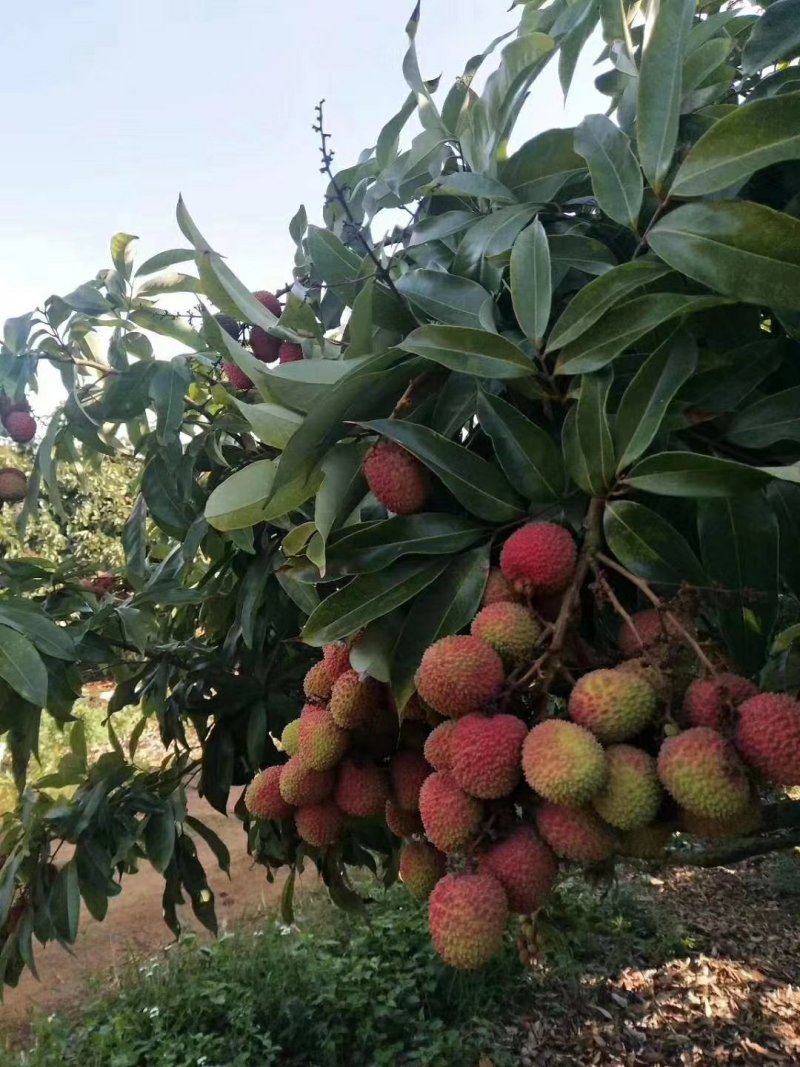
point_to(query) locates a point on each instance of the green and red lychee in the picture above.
(468, 915)
(317, 683)
(321, 743)
(449, 815)
(539, 559)
(564, 762)
(768, 736)
(497, 590)
(402, 823)
(290, 737)
(353, 699)
(650, 629)
(747, 821)
(485, 754)
(437, 745)
(614, 705)
(459, 675)
(510, 629)
(576, 834)
(299, 785)
(336, 657)
(632, 795)
(421, 867)
(398, 480)
(702, 772)
(263, 799)
(524, 866)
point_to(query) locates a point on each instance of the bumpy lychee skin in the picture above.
(237, 377)
(299, 785)
(564, 763)
(485, 754)
(539, 559)
(421, 867)
(336, 657)
(290, 353)
(319, 824)
(290, 737)
(265, 346)
(353, 700)
(498, 590)
(398, 479)
(449, 815)
(524, 866)
(13, 485)
(768, 736)
(437, 745)
(459, 675)
(632, 795)
(614, 705)
(744, 822)
(321, 742)
(649, 630)
(263, 799)
(648, 842)
(707, 701)
(21, 426)
(402, 823)
(407, 771)
(701, 770)
(362, 788)
(575, 834)
(317, 683)
(510, 629)
(468, 915)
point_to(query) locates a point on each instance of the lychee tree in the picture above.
(526, 470)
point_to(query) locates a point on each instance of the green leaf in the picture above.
(163, 260)
(436, 227)
(785, 502)
(338, 266)
(775, 36)
(581, 20)
(241, 500)
(649, 546)
(646, 399)
(445, 607)
(167, 388)
(49, 638)
(530, 458)
(214, 841)
(690, 474)
(22, 667)
(361, 324)
(65, 902)
(594, 432)
(475, 483)
(616, 177)
(169, 282)
(167, 325)
(343, 486)
(372, 546)
(667, 25)
(369, 597)
(594, 300)
(491, 235)
(741, 249)
(767, 421)
(531, 282)
(538, 170)
(447, 298)
(504, 94)
(273, 424)
(159, 839)
(582, 253)
(16, 332)
(389, 137)
(87, 300)
(623, 326)
(122, 252)
(754, 136)
(466, 183)
(476, 352)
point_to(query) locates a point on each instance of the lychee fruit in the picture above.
(497, 589)
(524, 866)
(510, 629)
(321, 742)
(336, 657)
(539, 559)
(353, 700)
(290, 737)
(702, 772)
(407, 771)
(237, 377)
(437, 745)
(575, 834)
(264, 345)
(485, 754)
(402, 823)
(632, 795)
(290, 353)
(317, 683)
(706, 700)
(319, 824)
(648, 842)
(768, 736)
(649, 629)
(362, 788)
(614, 705)
(564, 762)
(459, 675)
(13, 485)
(421, 867)
(299, 785)
(263, 799)
(449, 815)
(468, 915)
(21, 426)
(229, 324)
(398, 479)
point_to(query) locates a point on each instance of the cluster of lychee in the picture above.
(265, 347)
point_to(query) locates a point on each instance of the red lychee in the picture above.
(649, 629)
(437, 745)
(497, 590)
(21, 426)
(236, 376)
(337, 659)
(768, 736)
(468, 915)
(408, 770)
(263, 799)
(459, 675)
(402, 823)
(353, 700)
(362, 788)
(524, 866)
(706, 700)
(13, 485)
(485, 754)
(289, 353)
(421, 867)
(398, 479)
(319, 824)
(539, 559)
(449, 815)
(575, 834)
(264, 345)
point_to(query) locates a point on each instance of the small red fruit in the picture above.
(21, 426)
(539, 559)
(398, 479)
(289, 353)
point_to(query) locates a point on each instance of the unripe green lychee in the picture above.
(398, 479)
(319, 824)
(524, 866)
(468, 915)
(362, 788)
(709, 701)
(575, 834)
(614, 705)
(510, 629)
(402, 823)
(321, 743)
(299, 785)
(317, 683)
(485, 754)
(449, 815)
(768, 736)
(290, 737)
(564, 762)
(13, 485)
(421, 867)
(353, 700)
(539, 559)
(497, 589)
(632, 795)
(437, 745)
(459, 675)
(263, 799)
(407, 771)
(701, 770)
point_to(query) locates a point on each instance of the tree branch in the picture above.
(740, 848)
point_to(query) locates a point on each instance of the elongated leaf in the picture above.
(785, 502)
(65, 902)
(343, 486)
(775, 36)
(528, 455)
(531, 282)
(491, 235)
(49, 638)
(594, 432)
(615, 173)
(338, 265)
(447, 298)
(537, 171)
(162, 260)
(465, 183)
(477, 484)
(771, 419)
(754, 136)
(167, 325)
(649, 546)
(689, 474)
(167, 389)
(582, 253)
(22, 667)
(240, 501)
(369, 597)
(122, 252)
(273, 424)
(644, 403)
(743, 250)
(521, 60)
(435, 227)
(87, 300)
(476, 352)
(369, 547)
(658, 109)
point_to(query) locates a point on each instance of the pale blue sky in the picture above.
(112, 107)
